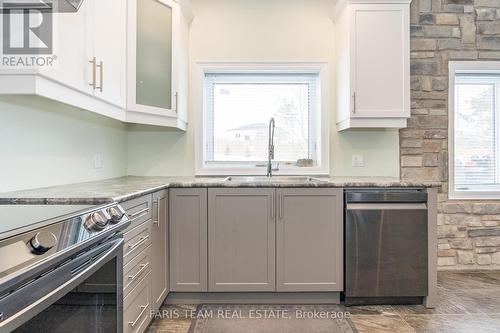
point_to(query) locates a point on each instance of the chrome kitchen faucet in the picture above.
(270, 148)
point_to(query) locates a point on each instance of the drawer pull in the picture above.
(143, 267)
(136, 214)
(143, 307)
(142, 240)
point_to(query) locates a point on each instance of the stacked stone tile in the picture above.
(443, 30)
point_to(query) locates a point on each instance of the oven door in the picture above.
(81, 294)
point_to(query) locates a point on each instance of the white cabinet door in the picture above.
(71, 36)
(181, 70)
(153, 35)
(97, 30)
(380, 66)
(108, 45)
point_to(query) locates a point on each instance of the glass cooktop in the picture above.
(21, 217)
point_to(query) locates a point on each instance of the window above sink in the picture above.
(238, 100)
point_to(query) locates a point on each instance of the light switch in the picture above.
(358, 161)
(97, 161)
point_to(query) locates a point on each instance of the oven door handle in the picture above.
(28, 312)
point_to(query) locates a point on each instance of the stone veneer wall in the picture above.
(442, 30)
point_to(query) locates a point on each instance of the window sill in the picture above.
(474, 195)
(315, 171)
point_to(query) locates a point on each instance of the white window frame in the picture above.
(202, 68)
(457, 67)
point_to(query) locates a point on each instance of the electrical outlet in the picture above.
(97, 161)
(358, 161)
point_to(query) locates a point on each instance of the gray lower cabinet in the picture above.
(137, 307)
(188, 239)
(159, 250)
(309, 237)
(241, 239)
(256, 239)
(137, 270)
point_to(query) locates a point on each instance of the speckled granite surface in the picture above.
(125, 188)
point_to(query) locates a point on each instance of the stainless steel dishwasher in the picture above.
(385, 246)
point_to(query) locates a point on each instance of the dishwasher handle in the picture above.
(386, 206)
(386, 196)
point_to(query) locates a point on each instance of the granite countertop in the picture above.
(129, 187)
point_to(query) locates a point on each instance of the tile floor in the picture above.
(467, 302)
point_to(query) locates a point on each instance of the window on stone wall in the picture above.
(474, 130)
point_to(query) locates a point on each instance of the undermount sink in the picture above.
(273, 179)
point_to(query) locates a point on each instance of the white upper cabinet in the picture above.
(373, 64)
(107, 45)
(127, 60)
(72, 61)
(90, 57)
(157, 63)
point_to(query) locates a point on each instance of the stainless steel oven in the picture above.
(76, 289)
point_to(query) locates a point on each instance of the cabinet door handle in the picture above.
(101, 76)
(272, 205)
(176, 99)
(280, 205)
(157, 222)
(94, 65)
(143, 307)
(354, 102)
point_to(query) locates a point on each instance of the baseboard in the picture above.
(253, 298)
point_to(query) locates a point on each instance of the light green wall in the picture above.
(44, 143)
(156, 151)
(261, 30)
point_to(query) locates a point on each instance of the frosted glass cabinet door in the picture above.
(154, 41)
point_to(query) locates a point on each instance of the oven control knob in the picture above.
(95, 221)
(116, 214)
(43, 241)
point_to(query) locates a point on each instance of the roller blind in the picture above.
(476, 164)
(238, 108)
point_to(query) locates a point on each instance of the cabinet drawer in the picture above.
(136, 240)
(136, 307)
(136, 269)
(138, 210)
